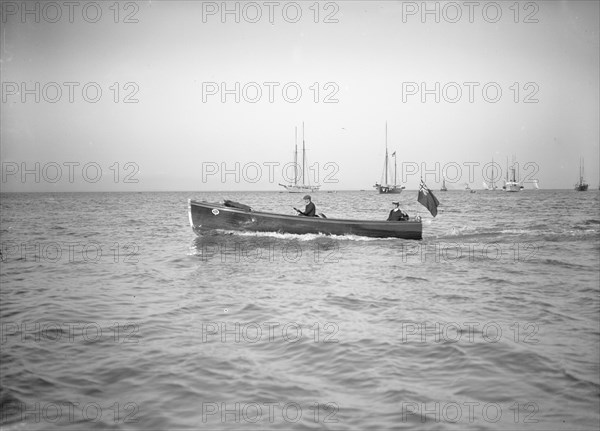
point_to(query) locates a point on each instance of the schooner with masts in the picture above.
(385, 187)
(301, 181)
(581, 186)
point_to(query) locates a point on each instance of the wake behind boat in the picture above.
(209, 216)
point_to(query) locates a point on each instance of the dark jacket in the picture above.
(397, 216)
(309, 210)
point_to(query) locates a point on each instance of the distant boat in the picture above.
(492, 186)
(443, 189)
(511, 184)
(536, 185)
(385, 187)
(581, 186)
(467, 188)
(305, 187)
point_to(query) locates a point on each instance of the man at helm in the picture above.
(309, 210)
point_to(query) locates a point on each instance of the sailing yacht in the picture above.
(582, 186)
(385, 187)
(443, 189)
(511, 184)
(305, 185)
(492, 185)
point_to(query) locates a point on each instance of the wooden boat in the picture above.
(384, 187)
(305, 187)
(581, 186)
(232, 216)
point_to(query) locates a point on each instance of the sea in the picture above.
(116, 315)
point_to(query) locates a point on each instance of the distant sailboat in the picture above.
(305, 186)
(582, 186)
(536, 185)
(443, 189)
(492, 186)
(385, 187)
(511, 184)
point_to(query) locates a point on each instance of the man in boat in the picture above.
(309, 210)
(396, 214)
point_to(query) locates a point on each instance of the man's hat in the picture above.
(396, 203)
(306, 197)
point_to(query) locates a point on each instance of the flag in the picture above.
(427, 199)
(394, 154)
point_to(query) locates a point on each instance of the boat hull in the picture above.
(207, 216)
(301, 189)
(387, 190)
(512, 187)
(581, 187)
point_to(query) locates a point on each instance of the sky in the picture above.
(202, 96)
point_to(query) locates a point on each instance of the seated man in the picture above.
(396, 213)
(309, 210)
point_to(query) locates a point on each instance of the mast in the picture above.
(493, 182)
(386, 156)
(296, 156)
(395, 167)
(303, 155)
